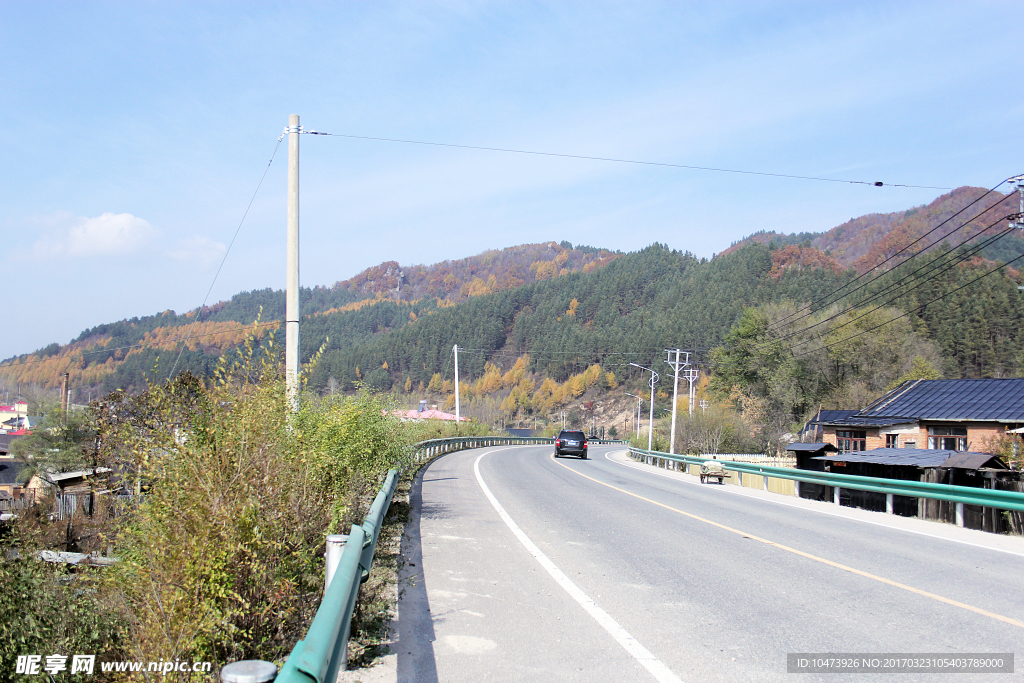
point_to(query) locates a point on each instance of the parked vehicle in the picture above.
(571, 443)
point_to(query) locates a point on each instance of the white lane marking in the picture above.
(734, 490)
(640, 653)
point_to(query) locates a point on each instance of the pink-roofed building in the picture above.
(425, 413)
(14, 416)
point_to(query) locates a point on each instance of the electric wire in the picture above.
(625, 161)
(906, 280)
(820, 302)
(957, 261)
(914, 310)
(199, 312)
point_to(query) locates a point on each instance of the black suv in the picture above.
(571, 443)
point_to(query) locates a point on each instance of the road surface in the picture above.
(524, 567)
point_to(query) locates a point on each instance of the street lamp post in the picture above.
(654, 380)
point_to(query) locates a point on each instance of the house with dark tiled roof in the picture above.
(14, 479)
(930, 414)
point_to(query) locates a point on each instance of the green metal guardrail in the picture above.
(967, 495)
(323, 652)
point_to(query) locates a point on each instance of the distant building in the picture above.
(14, 417)
(424, 413)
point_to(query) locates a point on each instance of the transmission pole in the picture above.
(650, 429)
(636, 420)
(457, 413)
(675, 365)
(291, 316)
(691, 376)
(1018, 220)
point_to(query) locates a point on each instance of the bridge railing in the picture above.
(323, 652)
(961, 495)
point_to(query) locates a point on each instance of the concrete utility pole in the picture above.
(457, 413)
(691, 376)
(636, 421)
(650, 429)
(676, 365)
(291, 315)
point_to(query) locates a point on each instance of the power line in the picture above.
(914, 310)
(875, 183)
(950, 266)
(904, 282)
(228, 251)
(820, 301)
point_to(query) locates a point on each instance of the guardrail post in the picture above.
(835, 495)
(959, 514)
(888, 503)
(249, 671)
(796, 487)
(335, 546)
(764, 482)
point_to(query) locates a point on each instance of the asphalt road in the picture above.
(523, 567)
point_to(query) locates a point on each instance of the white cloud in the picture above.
(108, 234)
(200, 250)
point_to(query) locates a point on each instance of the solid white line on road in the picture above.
(661, 672)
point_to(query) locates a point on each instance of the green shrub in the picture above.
(50, 609)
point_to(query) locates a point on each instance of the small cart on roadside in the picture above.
(712, 469)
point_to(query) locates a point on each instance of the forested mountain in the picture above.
(865, 242)
(629, 311)
(123, 354)
(576, 315)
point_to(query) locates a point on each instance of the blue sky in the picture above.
(134, 134)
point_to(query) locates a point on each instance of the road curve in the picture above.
(523, 567)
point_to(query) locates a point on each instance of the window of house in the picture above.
(947, 438)
(892, 441)
(910, 444)
(851, 440)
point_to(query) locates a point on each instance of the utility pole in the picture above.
(636, 420)
(291, 316)
(1018, 221)
(457, 413)
(691, 376)
(675, 365)
(704, 405)
(650, 429)
(64, 396)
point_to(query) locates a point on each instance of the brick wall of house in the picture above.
(978, 433)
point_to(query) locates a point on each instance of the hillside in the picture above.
(122, 354)
(560, 312)
(862, 243)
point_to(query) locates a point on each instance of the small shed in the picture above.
(807, 452)
(937, 466)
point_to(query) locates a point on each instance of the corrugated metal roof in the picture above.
(915, 457)
(954, 400)
(919, 457)
(810, 447)
(969, 460)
